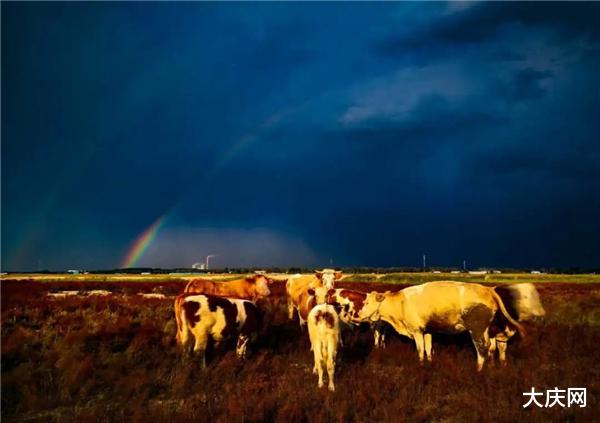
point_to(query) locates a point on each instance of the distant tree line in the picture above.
(292, 270)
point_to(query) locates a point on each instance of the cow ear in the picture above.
(338, 274)
(311, 292)
(318, 274)
(379, 297)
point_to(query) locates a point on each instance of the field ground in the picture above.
(114, 358)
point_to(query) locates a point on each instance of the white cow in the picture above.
(522, 300)
(324, 334)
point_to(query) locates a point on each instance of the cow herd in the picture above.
(490, 315)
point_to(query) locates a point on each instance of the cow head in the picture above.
(322, 295)
(262, 283)
(328, 277)
(370, 309)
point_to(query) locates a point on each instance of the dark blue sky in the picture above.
(289, 134)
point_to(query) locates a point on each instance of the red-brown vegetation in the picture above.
(91, 358)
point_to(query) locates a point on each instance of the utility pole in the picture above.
(208, 257)
(464, 265)
(424, 261)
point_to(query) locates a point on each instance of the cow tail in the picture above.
(519, 327)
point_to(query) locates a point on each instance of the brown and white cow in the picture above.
(449, 307)
(324, 334)
(249, 288)
(297, 287)
(349, 302)
(523, 302)
(209, 316)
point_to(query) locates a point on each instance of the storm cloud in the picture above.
(296, 134)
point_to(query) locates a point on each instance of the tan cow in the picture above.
(449, 307)
(297, 287)
(249, 288)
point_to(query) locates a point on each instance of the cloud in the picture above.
(487, 20)
(548, 38)
(373, 130)
(528, 84)
(437, 97)
(234, 247)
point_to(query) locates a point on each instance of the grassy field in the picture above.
(114, 358)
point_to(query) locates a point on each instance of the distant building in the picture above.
(436, 271)
(536, 272)
(199, 266)
(455, 271)
(478, 272)
(73, 272)
(145, 273)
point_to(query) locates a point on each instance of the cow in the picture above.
(523, 302)
(210, 316)
(297, 296)
(324, 334)
(349, 303)
(249, 288)
(449, 307)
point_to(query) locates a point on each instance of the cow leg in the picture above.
(242, 346)
(376, 337)
(332, 347)
(200, 348)
(313, 344)
(492, 350)
(482, 346)
(420, 343)
(502, 345)
(317, 352)
(291, 309)
(379, 335)
(428, 346)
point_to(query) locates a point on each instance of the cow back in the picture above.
(239, 288)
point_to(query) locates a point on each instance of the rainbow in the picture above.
(143, 241)
(141, 244)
